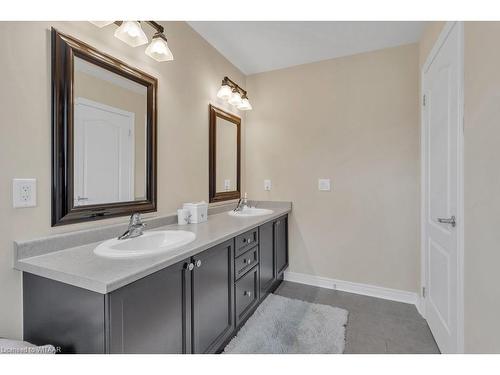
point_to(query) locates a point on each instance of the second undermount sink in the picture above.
(150, 243)
(250, 211)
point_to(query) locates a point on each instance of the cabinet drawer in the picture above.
(245, 261)
(246, 241)
(247, 294)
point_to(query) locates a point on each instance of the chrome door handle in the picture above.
(451, 221)
(82, 199)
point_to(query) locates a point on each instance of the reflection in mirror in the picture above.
(110, 136)
(224, 150)
(226, 155)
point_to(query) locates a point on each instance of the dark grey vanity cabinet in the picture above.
(212, 298)
(281, 244)
(194, 306)
(151, 315)
(273, 253)
(184, 308)
(247, 294)
(68, 317)
(267, 258)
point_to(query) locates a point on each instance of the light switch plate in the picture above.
(24, 192)
(267, 185)
(324, 184)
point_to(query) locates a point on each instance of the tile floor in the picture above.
(375, 325)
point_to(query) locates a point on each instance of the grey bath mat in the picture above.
(283, 325)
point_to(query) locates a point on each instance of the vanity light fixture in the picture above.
(234, 94)
(158, 48)
(225, 91)
(245, 104)
(131, 32)
(235, 98)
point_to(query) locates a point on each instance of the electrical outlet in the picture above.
(324, 184)
(267, 185)
(24, 192)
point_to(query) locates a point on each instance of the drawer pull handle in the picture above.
(247, 293)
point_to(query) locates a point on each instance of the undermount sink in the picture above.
(250, 211)
(150, 243)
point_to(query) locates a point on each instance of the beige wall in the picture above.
(186, 86)
(482, 186)
(354, 120)
(105, 92)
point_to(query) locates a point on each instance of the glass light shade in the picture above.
(158, 50)
(224, 92)
(245, 105)
(101, 23)
(131, 33)
(235, 98)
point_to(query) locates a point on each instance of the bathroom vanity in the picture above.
(86, 293)
(192, 301)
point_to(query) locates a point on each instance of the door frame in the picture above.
(460, 188)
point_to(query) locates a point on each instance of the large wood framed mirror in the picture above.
(103, 135)
(224, 159)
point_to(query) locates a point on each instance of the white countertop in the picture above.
(79, 266)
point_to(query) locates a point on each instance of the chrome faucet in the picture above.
(135, 227)
(242, 203)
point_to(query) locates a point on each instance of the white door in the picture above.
(104, 154)
(442, 132)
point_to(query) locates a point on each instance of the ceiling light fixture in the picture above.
(234, 94)
(132, 33)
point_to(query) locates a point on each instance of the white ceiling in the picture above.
(260, 46)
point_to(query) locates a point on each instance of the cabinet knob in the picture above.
(246, 261)
(198, 263)
(247, 293)
(190, 266)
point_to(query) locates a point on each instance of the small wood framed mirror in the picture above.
(103, 135)
(224, 155)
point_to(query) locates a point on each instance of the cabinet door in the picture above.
(149, 315)
(281, 244)
(212, 297)
(267, 259)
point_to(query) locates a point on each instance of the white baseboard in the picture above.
(357, 288)
(420, 306)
